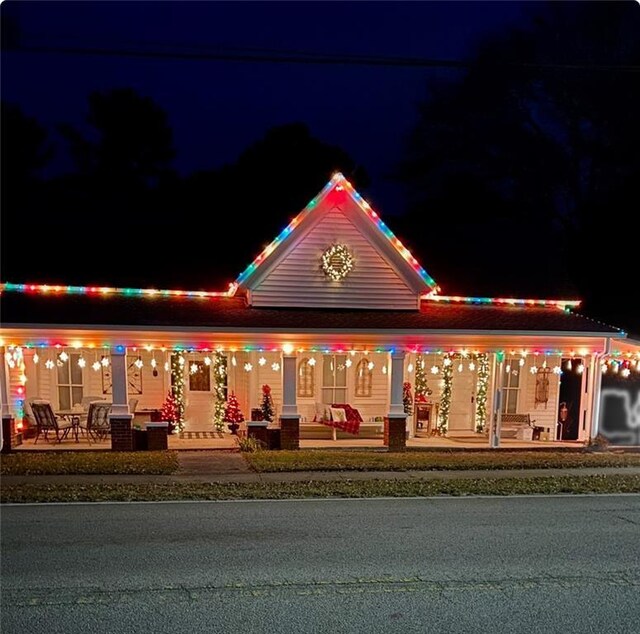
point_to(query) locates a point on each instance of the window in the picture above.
(511, 385)
(334, 378)
(199, 377)
(306, 378)
(70, 389)
(363, 378)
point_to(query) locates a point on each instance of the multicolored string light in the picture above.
(54, 289)
(563, 304)
(339, 183)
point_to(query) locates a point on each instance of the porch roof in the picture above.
(20, 310)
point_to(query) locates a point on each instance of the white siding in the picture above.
(298, 280)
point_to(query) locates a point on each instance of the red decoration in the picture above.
(232, 412)
(170, 411)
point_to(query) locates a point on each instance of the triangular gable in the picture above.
(288, 271)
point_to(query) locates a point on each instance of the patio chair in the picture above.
(97, 425)
(47, 421)
(87, 400)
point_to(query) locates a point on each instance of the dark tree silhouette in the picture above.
(541, 132)
(26, 150)
(253, 199)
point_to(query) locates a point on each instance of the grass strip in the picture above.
(354, 460)
(317, 489)
(96, 463)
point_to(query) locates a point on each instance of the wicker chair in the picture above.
(97, 425)
(47, 421)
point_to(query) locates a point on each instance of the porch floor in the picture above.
(210, 440)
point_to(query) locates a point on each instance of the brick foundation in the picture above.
(259, 432)
(121, 434)
(157, 436)
(10, 436)
(395, 437)
(290, 433)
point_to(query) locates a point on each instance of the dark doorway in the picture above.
(569, 400)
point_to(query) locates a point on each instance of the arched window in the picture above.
(363, 378)
(306, 382)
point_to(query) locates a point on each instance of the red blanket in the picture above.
(351, 425)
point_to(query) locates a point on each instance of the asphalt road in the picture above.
(482, 565)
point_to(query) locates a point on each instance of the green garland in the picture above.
(445, 399)
(422, 390)
(177, 386)
(220, 377)
(481, 391)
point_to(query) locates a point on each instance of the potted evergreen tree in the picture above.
(232, 414)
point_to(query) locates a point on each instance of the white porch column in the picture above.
(4, 385)
(120, 407)
(289, 404)
(396, 407)
(596, 395)
(4, 393)
(496, 409)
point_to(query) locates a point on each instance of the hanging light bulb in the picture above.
(36, 358)
(410, 368)
(234, 363)
(262, 361)
(275, 366)
(384, 369)
(544, 363)
(81, 362)
(569, 364)
(138, 362)
(460, 367)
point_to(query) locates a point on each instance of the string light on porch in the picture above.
(482, 388)
(445, 398)
(36, 358)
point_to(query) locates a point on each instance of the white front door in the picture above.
(462, 409)
(199, 396)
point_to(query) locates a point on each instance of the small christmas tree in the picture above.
(232, 413)
(170, 411)
(267, 404)
(407, 399)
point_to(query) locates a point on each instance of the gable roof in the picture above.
(340, 191)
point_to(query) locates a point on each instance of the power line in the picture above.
(270, 56)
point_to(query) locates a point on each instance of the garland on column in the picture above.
(481, 391)
(177, 387)
(220, 377)
(445, 399)
(407, 399)
(422, 390)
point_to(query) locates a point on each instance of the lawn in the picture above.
(84, 462)
(336, 460)
(318, 489)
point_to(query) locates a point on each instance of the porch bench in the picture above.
(318, 431)
(516, 426)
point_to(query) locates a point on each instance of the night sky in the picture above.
(219, 108)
